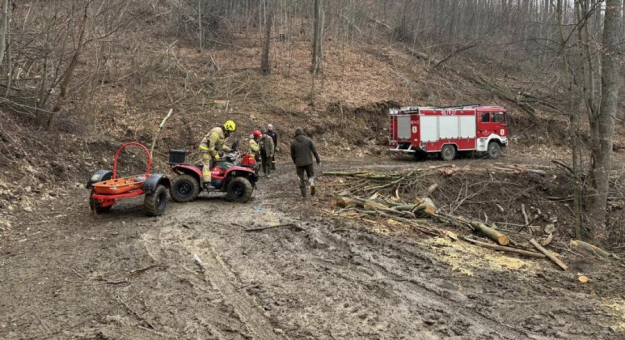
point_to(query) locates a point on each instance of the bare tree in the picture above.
(265, 65)
(4, 28)
(67, 77)
(317, 51)
(605, 116)
(572, 103)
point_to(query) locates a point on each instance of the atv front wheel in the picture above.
(155, 203)
(239, 190)
(184, 188)
(96, 206)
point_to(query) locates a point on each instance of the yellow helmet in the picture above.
(230, 125)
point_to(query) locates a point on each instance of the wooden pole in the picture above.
(502, 248)
(158, 133)
(549, 255)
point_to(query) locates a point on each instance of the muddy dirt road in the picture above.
(66, 274)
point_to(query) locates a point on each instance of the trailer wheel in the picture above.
(96, 206)
(448, 152)
(155, 203)
(494, 149)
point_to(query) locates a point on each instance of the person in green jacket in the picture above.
(302, 152)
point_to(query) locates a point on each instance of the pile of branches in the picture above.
(377, 195)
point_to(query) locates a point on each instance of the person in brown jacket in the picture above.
(302, 151)
(266, 152)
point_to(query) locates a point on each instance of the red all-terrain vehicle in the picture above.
(106, 187)
(227, 175)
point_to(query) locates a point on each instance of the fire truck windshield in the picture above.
(499, 117)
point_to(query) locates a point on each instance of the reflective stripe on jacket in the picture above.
(214, 141)
(254, 147)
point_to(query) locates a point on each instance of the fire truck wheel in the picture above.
(448, 152)
(493, 150)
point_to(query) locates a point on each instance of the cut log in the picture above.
(491, 233)
(549, 255)
(345, 202)
(502, 248)
(589, 248)
(427, 206)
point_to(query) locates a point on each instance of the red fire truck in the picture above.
(448, 130)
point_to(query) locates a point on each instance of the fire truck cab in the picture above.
(448, 130)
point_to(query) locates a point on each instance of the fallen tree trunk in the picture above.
(491, 233)
(502, 248)
(589, 248)
(487, 85)
(549, 255)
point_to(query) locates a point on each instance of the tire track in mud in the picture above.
(218, 274)
(359, 245)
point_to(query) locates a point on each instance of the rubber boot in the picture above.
(268, 173)
(265, 170)
(303, 190)
(312, 186)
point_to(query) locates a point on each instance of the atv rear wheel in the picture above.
(155, 203)
(239, 190)
(448, 152)
(184, 188)
(494, 149)
(97, 206)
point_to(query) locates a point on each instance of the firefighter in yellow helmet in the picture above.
(214, 143)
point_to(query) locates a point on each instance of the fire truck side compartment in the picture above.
(403, 127)
(429, 129)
